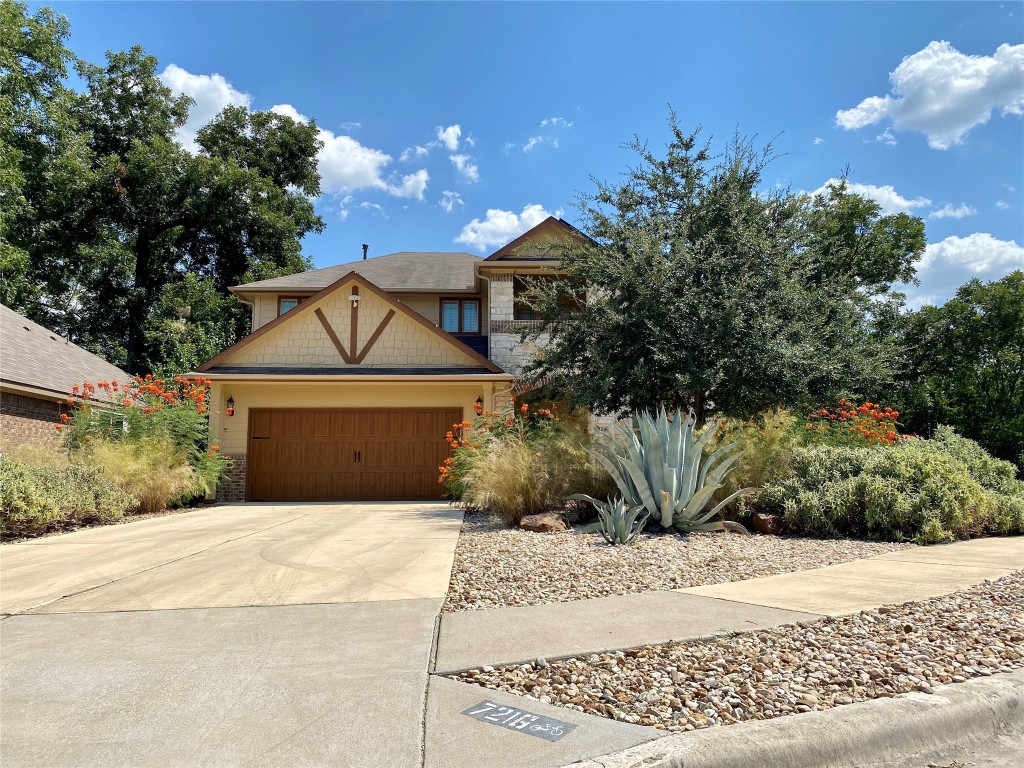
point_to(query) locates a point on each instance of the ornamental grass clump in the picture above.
(522, 462)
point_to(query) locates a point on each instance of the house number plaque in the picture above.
(519, 720)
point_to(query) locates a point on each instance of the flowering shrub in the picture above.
(150, 416)
(849, 424)
(518, 463)
(467, 438)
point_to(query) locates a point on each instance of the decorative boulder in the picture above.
(773, 525)
(545, 523)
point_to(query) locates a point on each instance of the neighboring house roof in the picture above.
(35, 357)
(214, 364)
(520, 249)
(406, 271)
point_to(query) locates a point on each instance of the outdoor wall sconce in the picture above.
(480, 401)
(230, 406)
(354, 298)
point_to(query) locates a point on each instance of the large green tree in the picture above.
(966, 366)
(120, 223)
(705, 290)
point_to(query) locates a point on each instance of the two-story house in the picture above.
(353, 374)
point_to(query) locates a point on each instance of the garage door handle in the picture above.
(260, 438)
(357, 456)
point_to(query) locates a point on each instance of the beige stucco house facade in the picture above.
(352, 374)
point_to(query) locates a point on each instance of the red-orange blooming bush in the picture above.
(849, 424)
(151, 410)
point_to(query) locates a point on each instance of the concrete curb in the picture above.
(870, 733)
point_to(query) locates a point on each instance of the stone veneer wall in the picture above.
(232, 485)
(27, 419)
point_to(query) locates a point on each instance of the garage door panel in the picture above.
(338, 454)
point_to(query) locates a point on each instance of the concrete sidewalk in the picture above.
(513, 635)
(891, 579)
(516, 635)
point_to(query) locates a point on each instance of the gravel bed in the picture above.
(496, 566)
(808, 666)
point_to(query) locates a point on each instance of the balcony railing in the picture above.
(516, 326)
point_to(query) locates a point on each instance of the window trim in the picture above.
(297, 299)
(460, 300)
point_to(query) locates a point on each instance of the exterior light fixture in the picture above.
(479, 401)
(354, 298)
(230, 406)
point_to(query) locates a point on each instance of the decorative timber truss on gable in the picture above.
(351, 327)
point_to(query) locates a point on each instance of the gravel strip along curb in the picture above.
(496, 566)
(870, 734)
(813, 665)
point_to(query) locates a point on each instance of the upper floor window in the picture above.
(460, 315)
(288, 303)
(522, 283)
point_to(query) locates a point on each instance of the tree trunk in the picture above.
(698, 407)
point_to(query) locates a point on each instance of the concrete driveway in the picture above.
(270, 635)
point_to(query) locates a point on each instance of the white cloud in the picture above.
(887, 197)
(418, 151)
(345, 165)
(556, 122)
(979, 252)
(470, 140)
(468, 169)
(532, 142)
(449, 200)
(351, 125)
(944, 93)
(211, 94)
(950, 211)
(1002, 205)
(818, 140)
(289, 111)
(449, 136)
(411, 185)
(887, 137)
(499, 227)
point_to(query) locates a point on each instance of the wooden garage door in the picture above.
(340, 455)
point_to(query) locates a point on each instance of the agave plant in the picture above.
(618, 523)
(658, 465)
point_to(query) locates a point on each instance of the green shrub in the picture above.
(34, 499)
(925, 490)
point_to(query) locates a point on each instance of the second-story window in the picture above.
(522, 283)
(460, 315)
(288, 303)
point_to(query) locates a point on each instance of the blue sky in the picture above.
(455, 126)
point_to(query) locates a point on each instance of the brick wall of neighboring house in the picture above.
(232, 484)
(27, 419)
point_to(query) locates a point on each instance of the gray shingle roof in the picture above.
(34, 356)
(396, 272)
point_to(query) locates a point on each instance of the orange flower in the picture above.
(126, 401)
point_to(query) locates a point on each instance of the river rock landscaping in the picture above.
(496, 566)
(815, 665)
